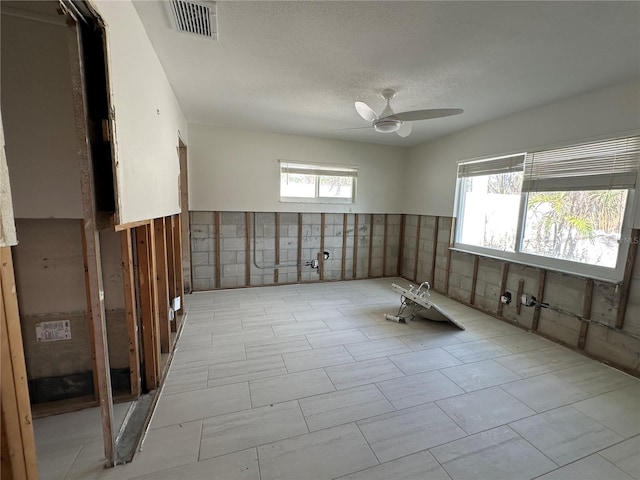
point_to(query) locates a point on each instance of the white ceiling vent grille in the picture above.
(197, 18)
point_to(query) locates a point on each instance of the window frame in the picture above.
(608, 274)
(320, 170)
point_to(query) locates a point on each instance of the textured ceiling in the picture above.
(298, 67)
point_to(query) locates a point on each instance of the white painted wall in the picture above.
(39, 127)
(431, 168)
(238, 170)
(147, 115)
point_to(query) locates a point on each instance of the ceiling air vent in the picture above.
(197, 18)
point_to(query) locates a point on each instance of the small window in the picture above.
(566, 209)
(317, 183)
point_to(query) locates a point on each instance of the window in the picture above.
(566, 209)
(317, 183)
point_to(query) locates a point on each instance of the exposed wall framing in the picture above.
(18, 441)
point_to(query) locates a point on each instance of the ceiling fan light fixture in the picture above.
(386, 126)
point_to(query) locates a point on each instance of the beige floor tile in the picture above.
(565, 434)
(325, 454)
(494, 454)
(289, 387)
(593, 467)
(420, 465)
(300, 328)
(244, 370)
(343, 406)
(397, 434)
(237, 466)
(417, 389)
(377, 348)
(250, 428)
(276, 346)
(484, 409)
(544, 392)
(317, 358)
(625, 455)
(618, 410)
(188, 406)
(478, 375)
(341, 337)
(361, 373)
(424, 360)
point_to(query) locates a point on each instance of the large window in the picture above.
(567, 209)
(317, 183)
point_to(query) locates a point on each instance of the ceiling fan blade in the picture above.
(405, 129)
(366, 111)
(425, 114)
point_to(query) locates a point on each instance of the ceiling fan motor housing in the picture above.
(386, 125)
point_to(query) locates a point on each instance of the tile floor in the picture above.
(310, 382)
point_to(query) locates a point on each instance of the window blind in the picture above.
(493, 166)
(328, 170)
(605, 165)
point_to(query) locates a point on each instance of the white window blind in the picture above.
(493, 166)
(605, 165)
(326, 171)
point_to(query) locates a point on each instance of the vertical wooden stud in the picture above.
(344, 246)
(299, 272)
(146, 307)
(178, 246)
(586, 313)
(519, 296)
(416, 260)
(128, 280)
(247, 250)
(91, 241)
(218, 249)
(277, 240)
(384, 245)
(503, 287)
(447, 271)
(169, 223)
(321, 254)
(627, 278)
(434, 254)
(355, 246)
(536, 312)
(370, 245)
(403, 220)
(474, 280)
(162, 282)
(18, 440)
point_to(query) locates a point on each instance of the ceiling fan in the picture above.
(389, 122)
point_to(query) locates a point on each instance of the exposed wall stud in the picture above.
(177, 257)
(344, 246)
(18, 440)
(627, 278)
(415, 264)
(171, 264)
(474, 280)
(355, 246)
(162, 282)
(321, 254)
(536, 312)
(370, 245)
(586, 313)
(519, 296)
(403, 220)
(384, 245)
(277, 241)
(218, 248)
(91, 241)
(299, 248)
(434, 253)
(447, 271)
(128, 281)
(503, 287)
(247, 250)
(146, 307)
